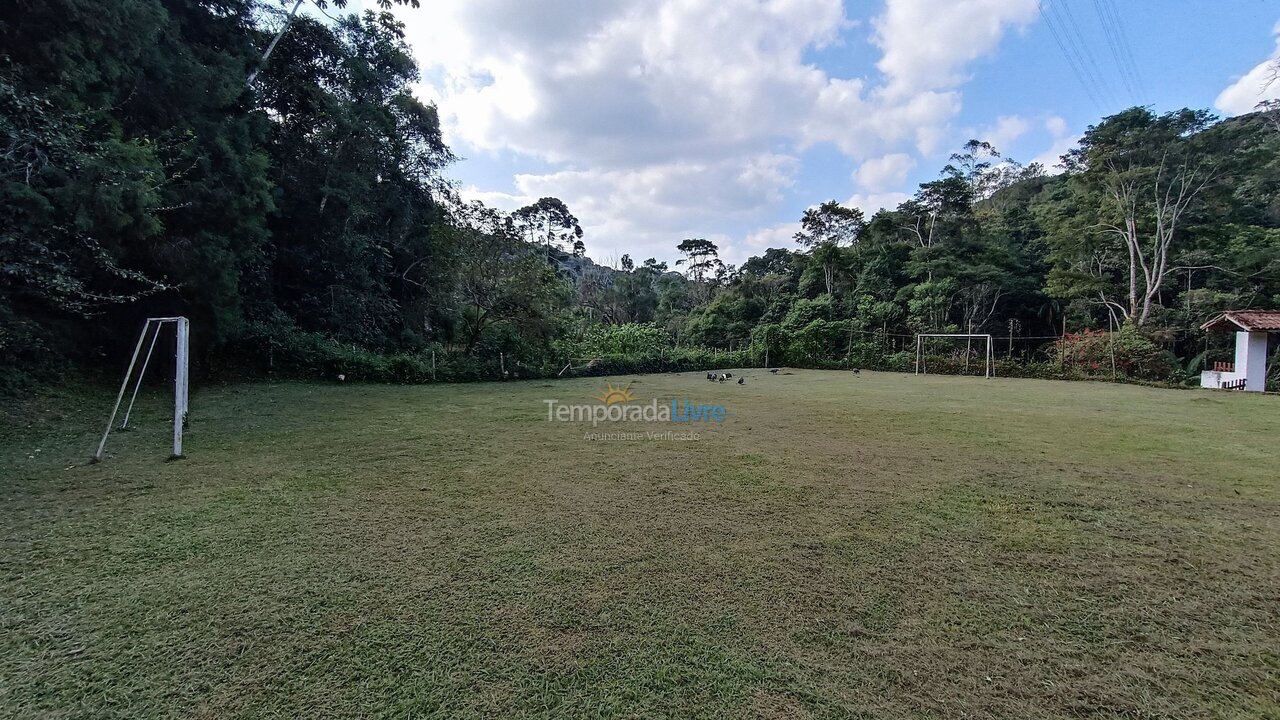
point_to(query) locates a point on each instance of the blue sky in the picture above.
(657, 120)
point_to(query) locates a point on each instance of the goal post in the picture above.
(181, 385)
(989, 356)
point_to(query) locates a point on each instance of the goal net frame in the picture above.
(181, 387)
(989, 356)
(577, 364)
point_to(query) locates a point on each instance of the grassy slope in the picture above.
(874, 546)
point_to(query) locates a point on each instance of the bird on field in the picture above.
(728, 375)
(773, 370)
(855, 371)
(711, 376)
(722, 378)
(742, 381)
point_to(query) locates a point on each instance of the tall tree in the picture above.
(824, 230)
(287, 20)
(830, 224)
(1138, 174)
(143, 170)
(549, 223)
(987, 171)
(501, 282)
(358, 161)
(701, 258)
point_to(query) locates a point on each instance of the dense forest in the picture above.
(273, 177)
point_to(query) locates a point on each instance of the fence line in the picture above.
(744, 343)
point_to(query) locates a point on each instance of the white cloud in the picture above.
(927, 43)
(620, 84)
(1063, 140)
(883, 173)
(646, 211)
(782, 235)
(1051, 158)
(1257, 85)
(663, 118)
(1006, 131)
(871, 203)
(495, 199)
(667, 194)
(862, 124)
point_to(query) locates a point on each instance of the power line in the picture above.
(1075, 69)
(1114, 39)
(1113, 43)
(1076, 38)
(1125, 46)
(1072, 61)
(1067, 42)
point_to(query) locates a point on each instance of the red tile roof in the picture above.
(1247, 320)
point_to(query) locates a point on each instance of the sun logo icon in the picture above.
(613, 395)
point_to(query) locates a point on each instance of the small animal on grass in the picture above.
(722, 378)
(855, 371)
(711, 376)
(742, 381)
(728, 375)
(773, 370)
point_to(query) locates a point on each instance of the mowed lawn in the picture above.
(842, 546)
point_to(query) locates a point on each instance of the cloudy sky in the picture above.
(658, 120)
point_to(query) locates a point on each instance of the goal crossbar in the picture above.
(990, 354)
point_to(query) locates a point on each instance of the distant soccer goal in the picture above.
(988, 356)
(152, 328)
(579, 364)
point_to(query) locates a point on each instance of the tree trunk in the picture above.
(1131, 240)
(271, 48)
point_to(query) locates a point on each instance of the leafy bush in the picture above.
(819, 343)
(872, 355)
(805, 311)
(286, 351)
(625, 339)
(903, 361)
(768, 340)
(1089, 354)
(25, 355)
(675, 360)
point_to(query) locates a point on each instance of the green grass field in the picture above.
(871, 546)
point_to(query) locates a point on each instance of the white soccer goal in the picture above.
(988, 356)
(152, 327)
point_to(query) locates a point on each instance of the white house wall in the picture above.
(1251, 359)
(1251, 364)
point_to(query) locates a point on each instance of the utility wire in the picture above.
(1125, 46)
(1076, 39)
(1070, 57)
(1113, 43)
